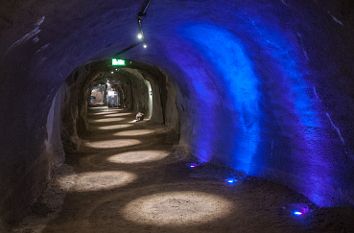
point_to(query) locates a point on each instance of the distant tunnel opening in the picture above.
(141, 89)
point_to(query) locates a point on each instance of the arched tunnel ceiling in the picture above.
(268, 84)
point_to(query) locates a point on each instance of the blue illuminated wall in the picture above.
(254, 105)
(240, 100)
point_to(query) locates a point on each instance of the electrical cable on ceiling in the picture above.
(140, 17)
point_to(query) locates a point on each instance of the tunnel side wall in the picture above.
(256, 95)
(291, 122)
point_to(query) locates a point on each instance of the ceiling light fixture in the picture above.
(140, 36)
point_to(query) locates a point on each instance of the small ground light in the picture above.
(231, 181)
(145, 46)
(297, 213)
(192, 165)
(297, 209)
(112, 72)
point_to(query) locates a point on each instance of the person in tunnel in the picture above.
(139, 116)
(91, 100)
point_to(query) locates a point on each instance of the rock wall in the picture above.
(265, 87)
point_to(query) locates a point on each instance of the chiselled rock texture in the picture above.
(265, 87)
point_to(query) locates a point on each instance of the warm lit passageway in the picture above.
(129, 177)
(177, 116)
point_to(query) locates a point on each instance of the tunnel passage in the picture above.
(263, 87)
(136, 88)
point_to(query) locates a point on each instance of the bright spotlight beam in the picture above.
(136, 132)
(97, 181)
(177, 208)
(111, 144)
(142, 156)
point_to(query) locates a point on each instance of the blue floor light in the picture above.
(297, 213)
(231, 181)
(192, 165)
(297, 209)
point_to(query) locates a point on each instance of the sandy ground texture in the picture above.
(129, 177)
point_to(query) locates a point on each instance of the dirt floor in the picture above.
(129, 177)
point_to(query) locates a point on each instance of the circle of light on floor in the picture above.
(110, 144)
(98, 108)
(117, 114)
(141, 156)
(113, 119)
(177, 208)
(102, 113)
(136, 132)
(112, 127)
(96, 181)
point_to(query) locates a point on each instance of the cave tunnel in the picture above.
(177, 116)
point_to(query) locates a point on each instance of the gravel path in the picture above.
(129, 177)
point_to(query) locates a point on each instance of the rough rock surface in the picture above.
(265, 87)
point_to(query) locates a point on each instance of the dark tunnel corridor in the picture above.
(177, 116)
